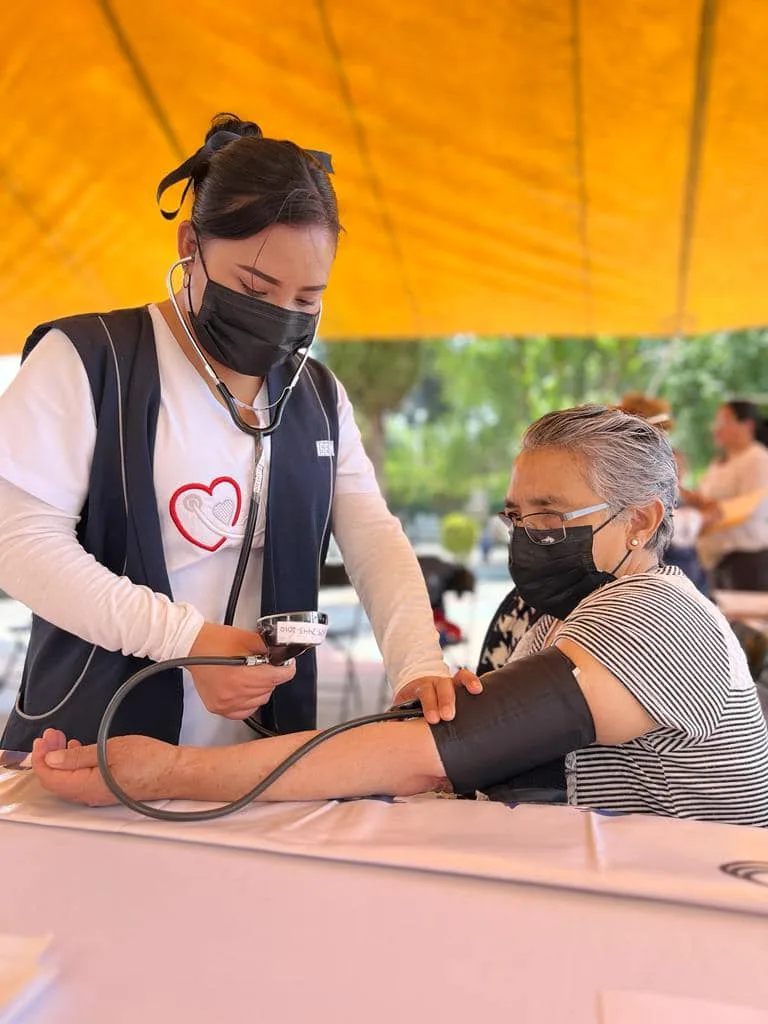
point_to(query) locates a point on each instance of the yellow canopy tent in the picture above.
(516, 166)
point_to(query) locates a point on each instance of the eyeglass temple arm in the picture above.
(579, 512)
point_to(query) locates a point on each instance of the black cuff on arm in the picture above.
(530, 712)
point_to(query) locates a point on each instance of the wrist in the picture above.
(160, 783)
(182, 781)
(197, 640)
(439, 671)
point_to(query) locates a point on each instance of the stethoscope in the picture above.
(256, 432)
(228, 398)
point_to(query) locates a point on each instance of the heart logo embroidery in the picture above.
(206, 514)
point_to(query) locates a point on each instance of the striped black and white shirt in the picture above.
(677, 655)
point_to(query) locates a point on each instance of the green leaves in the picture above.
(453, 411)
(377, 374)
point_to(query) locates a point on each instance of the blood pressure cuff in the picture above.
(530, 712)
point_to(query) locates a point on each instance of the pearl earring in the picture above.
(634, 542)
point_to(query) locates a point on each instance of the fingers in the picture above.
(72, 759)
(258, 678)
(446, 699)
(468, 680)
(239, 716)
(241, 713)
(256, 644)
(237, 692)
(284, 673)
(68, 770)
(438, 694)
(253, 682)
(60, 783)
(429, 702)
(238, 704)
(38, 754)
(54, 739)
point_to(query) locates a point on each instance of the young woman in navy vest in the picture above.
(125, 483)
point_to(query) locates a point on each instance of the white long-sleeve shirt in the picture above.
(740, 474)
(203, 468)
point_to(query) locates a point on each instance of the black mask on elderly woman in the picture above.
(246, 334)
(554, 578)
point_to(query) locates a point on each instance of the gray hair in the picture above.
(628, 462)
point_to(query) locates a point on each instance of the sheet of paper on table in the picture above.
(23, 973)
(643, 1007)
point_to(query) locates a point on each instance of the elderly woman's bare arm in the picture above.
(618, 716)
(390, 758)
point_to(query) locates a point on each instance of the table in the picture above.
(151, 930)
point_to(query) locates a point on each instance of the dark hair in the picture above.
(242, 186)
(744, 411)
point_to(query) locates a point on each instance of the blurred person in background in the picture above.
(736, 557)
(655, 411)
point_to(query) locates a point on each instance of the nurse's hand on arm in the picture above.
(438, 694)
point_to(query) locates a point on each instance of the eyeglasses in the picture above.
(548, 527)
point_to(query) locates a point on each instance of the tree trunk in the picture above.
(376, 446)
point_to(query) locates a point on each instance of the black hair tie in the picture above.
(186, 170)
(324, 159)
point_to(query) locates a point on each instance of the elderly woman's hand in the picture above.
(438, 694)
(142, 766)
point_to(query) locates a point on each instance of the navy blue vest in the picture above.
(66, 678)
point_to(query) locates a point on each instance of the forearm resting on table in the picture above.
(387, 758)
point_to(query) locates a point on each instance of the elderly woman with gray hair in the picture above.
(631, 685)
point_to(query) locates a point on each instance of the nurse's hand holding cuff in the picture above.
(234, 692)
(438, 694)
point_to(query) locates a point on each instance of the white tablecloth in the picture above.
(642, 856)
(149, 929)
(152, 931)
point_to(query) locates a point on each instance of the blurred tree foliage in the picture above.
(377, 376)
(451, 412)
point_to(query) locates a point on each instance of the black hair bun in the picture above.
(232, 123)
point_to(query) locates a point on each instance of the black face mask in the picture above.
(554, 578)
(246, 334)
